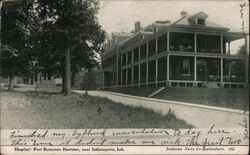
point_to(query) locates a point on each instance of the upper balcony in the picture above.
(226, 43)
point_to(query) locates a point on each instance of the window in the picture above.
(129, 57)
(120, 59)
(124, 59)
(181, 68)
(143, 72)
(104, 63)
(162, 68)
(162, 43)
(143, 51)
(109, 61)
(234, 70)
(151, 71)
(136, 74)
(181, 42)
(152, 47)
(124, 76)
(200, 21)
(208, 43)
(185, 67)
(136, 54)
(129, 76)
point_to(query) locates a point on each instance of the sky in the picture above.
(120, 15)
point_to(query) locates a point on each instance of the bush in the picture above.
(89, 81)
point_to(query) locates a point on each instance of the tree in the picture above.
(242, 50)
(89, 81)
(72, 26)
(18, 22)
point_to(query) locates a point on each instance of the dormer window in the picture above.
(200, 21)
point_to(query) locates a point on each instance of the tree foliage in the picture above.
(242, 50)
(18, 21)
(68, 25)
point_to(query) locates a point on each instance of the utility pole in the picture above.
(1, 4)
(245, 37)
(243, 23)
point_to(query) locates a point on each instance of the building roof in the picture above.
(186, 21)
(198, 15)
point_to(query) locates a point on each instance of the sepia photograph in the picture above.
(124, 77)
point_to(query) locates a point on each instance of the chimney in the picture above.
(163, 22)
(137, 26)
(183, 14)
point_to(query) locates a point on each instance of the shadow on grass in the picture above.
(44, 109)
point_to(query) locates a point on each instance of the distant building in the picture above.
(190, 52)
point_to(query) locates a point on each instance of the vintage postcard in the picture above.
(124, 77)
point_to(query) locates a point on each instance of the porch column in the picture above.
(156, 71)
(126, 58)
(147, 73)
(147, 50)
(132, 56)
(139, 76)
(195, 68)
(139, 54)
(221, 71)
(132, 75)
(121, 76)
(126, 77)
(121, 59)
(195, 42)
(221, 44)
(168, 36)
(229, 48)
(156, 45)
(168, 67)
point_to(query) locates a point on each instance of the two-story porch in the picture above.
(191, 52)
(188, 62)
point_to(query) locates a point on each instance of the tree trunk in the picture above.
(32, 79)
(67, 73)
(89, 69)
(36, 79)
(49, 76)
(11, 82)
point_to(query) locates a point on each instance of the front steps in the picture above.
(156, 92)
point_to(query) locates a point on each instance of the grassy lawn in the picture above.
(54, 110)
(230, 98)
